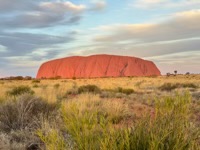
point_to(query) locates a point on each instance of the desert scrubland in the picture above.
(130, 113)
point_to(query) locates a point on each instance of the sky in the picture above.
(166, 32)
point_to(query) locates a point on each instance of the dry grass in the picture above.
(139, 84)
(90, 115)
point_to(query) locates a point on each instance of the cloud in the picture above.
(2, 48)
(180, 26)
(39, 14)
(9, 6)
(18, 66)
(26, 38)
(181, 55)
(98, 5)
(149, 3)
(38, 20)
(18, 44)
(141, 49)
(161, 42)
(182, 61)
(152, 4)
(61, 7)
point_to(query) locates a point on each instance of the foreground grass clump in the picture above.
(24, 112)
(19, 90)
(21, 117)
(54, 137)
(89, 121)
(90, 126)
(168, 127)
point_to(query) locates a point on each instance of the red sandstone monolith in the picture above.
(96, 66)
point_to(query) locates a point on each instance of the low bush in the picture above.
(56, 86)
(19, 90)
(189, 85)
(71, 92)
(35, 81)
(35, 86)
(126, 91)
(19, 140)
(21, 118)
(54, 139)
(168, 87)
(107, 94)
(172, 86)
(89, 89)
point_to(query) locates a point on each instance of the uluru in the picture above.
(96, 66)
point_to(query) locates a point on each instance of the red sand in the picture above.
(97, 66)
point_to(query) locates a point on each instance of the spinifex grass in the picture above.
(165, 129)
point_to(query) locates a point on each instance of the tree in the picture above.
(187, 73)
(168, 74)
(175, 71)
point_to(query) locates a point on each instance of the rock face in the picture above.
(97, 66)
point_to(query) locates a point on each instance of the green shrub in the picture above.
(44, 86)
(171, 86)
(189, 85)
(89, 89)
(71, 92)
(107, 94)
(36, 81)
(168, 87)
(56, 86)
(19, 90)
(138, 84)
(35, 86)
(126, 91)
(121, 90)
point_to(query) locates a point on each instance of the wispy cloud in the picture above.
(2, 49)
(180, 26)
(158, 4)
(40, 15)
(18, 44)
(179, 34)
(98, 5)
